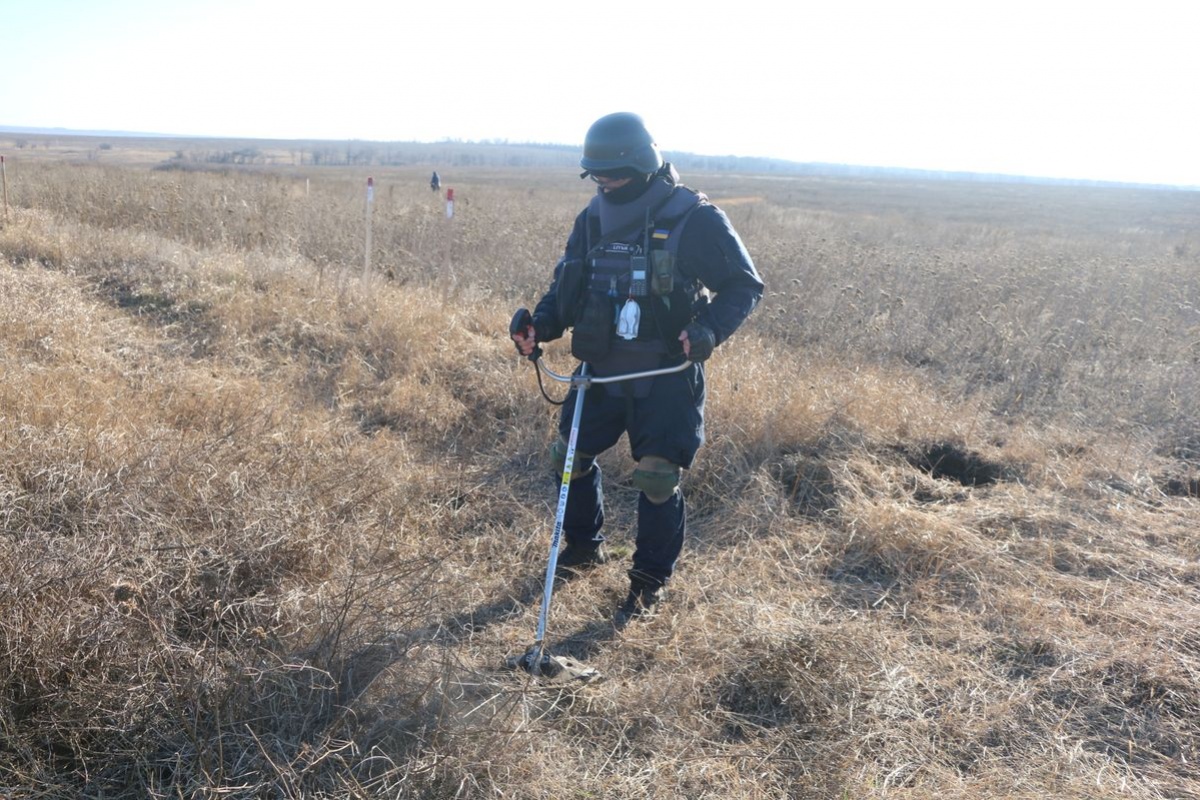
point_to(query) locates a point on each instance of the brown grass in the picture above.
(270, 532)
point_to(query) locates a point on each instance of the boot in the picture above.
(642, 601)
(577, 559)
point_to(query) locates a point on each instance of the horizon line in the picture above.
(932, 172)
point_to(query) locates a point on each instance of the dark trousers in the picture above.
(669, 423)
(660, 528)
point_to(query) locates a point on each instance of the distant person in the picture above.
(435, 183)
(638, 257)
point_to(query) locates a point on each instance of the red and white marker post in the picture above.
(449, 204)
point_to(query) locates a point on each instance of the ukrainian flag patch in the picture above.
(661, 233)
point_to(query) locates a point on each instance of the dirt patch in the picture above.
(189, 321)
(951, 462)
(1179, 486)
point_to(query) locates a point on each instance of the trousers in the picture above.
(668, 422)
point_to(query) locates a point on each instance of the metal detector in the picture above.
(536, 661)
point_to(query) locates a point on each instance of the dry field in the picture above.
(271, 528)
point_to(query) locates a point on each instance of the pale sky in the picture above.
(1056, 88)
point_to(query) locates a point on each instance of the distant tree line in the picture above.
(200, 153)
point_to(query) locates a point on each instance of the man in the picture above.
(631, 287)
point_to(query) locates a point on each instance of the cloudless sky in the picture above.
(1056, 88)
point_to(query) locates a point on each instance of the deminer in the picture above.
(653, 274)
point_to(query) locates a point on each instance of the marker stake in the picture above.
(367, 248)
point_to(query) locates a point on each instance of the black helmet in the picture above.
(620, 141)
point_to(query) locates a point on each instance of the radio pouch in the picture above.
(662, 281)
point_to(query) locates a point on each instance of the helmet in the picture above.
(619, 141)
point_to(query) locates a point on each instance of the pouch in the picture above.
(572, 280)
(592, 335)
(662, 281)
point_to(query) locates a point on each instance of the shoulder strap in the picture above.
(676, 231)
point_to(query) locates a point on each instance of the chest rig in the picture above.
(636, 298)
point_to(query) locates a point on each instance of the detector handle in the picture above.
(583, 380)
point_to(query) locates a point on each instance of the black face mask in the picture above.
(636, 187)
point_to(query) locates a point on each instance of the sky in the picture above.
(1056, 88)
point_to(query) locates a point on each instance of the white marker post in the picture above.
(4, 179)
(367, 249)
(449, 204)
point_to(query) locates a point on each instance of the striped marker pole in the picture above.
(4, 179)
(449, 204)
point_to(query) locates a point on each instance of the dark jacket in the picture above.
(710, 252)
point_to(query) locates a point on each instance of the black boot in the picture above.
(577, 559)
(643, 601)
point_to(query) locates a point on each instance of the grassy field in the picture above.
(271, 525)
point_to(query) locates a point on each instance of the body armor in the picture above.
(630, 272)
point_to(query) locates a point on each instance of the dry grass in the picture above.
(268, 532)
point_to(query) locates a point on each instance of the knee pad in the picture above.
(657, 478)
(558, 461)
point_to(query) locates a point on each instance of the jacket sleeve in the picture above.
(712, 253)
(546, 323)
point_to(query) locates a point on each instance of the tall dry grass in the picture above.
(270, 532)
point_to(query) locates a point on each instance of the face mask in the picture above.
(630, 191)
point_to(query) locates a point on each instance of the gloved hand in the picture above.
(524, 334)
(698, 342)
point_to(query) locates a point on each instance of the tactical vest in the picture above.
(637, 264)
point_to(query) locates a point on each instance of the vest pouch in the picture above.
(592, 336)
(662, 279)
(572, 281)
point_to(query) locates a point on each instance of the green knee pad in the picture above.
(558, 461)
(658, 478)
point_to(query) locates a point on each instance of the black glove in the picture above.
(523, 325)
(701, 342)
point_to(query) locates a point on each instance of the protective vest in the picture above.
(636, 263)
